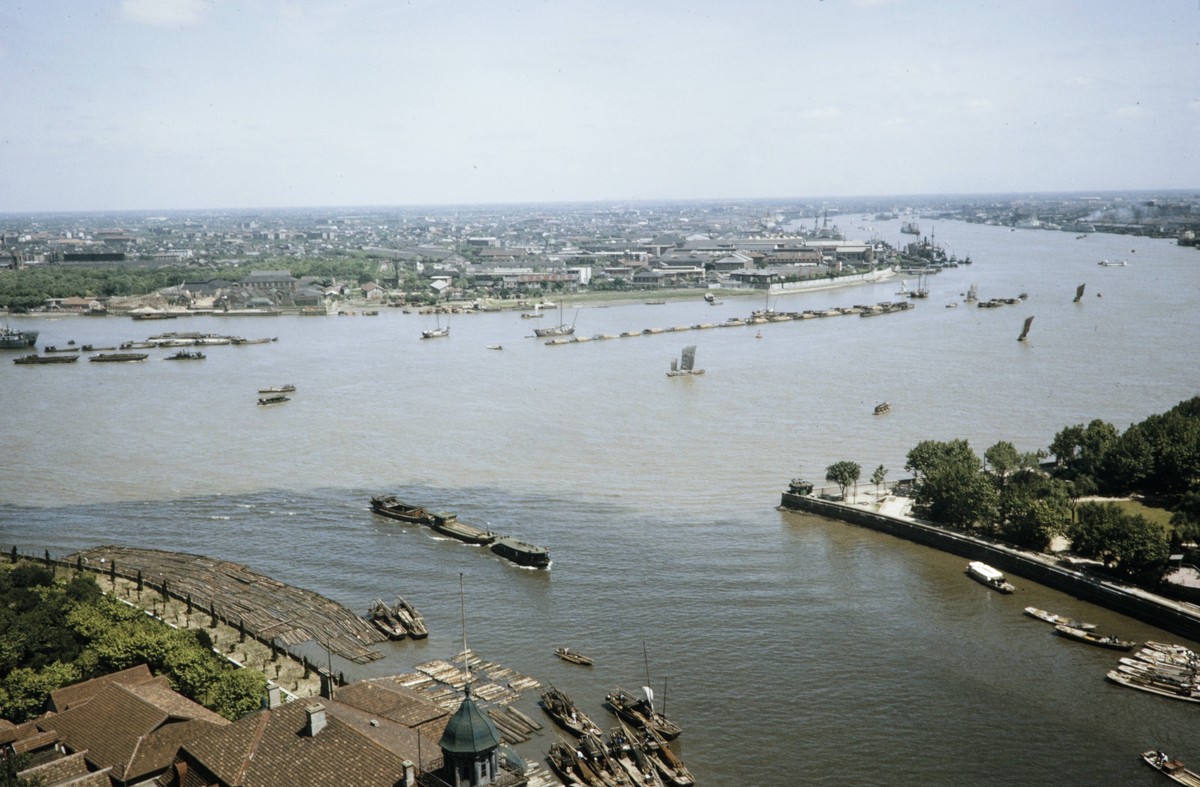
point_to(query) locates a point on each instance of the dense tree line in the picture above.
(1017, 498)
(30, 287)
(61, 632)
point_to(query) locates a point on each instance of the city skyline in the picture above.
(184, 104)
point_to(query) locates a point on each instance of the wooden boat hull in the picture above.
(394, 508)
(559, 707)
(566, 654)
(45, 359)
(1130, 681)
(1057, 620)
(468, 534)
(1079, 635)
(1172, 769)
(637, 712)
(118, 357)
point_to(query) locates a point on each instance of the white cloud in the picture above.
(1131, 111)
(980, 106)
(163, 13)
(1194, 105)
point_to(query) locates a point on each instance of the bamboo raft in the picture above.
(267, 609)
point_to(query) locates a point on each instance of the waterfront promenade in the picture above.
(891, 514)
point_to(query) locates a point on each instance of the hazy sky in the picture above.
(141, 104)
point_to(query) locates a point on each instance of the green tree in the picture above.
(845, 474)
(24, 691)
(958, 496)
(234, 693)
(1186, 517)
(1038, 508)
(878, 476)
(927, 455)
(1131, 544)
(1002, 458)
(1079, 451)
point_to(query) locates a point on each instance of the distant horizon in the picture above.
(806, 200)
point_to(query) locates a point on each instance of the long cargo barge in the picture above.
(451, 526)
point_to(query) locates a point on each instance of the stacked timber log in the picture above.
(266, 608)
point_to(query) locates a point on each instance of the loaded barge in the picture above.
(450, 525)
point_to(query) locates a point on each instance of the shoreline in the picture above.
(594, 299)
(1180, 618)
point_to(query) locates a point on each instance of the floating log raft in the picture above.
(267, 608)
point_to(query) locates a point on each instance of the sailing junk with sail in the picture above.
(1025, 330)
(557, 330)
(686, 363)
(1079, 292)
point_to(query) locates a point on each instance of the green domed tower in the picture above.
(469, 746)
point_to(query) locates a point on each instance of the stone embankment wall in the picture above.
(1181, 619)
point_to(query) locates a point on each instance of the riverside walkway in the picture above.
(266, 608)
(890, 514)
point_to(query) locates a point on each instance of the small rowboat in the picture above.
(1172, 769)
(566, 654)
(1057, 620)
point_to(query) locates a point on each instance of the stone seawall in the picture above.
(1178, 618)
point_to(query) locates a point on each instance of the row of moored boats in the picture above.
(1165, 669)
(636, 752)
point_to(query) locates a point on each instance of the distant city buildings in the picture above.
(509, 250)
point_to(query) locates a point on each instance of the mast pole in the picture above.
(463, 610)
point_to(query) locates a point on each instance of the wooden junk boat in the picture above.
(1091, 638)
(414, 622)
(1057, 620)
(278, 389)
(399, 620)
(640, 712)
(626, 751)
(267, 401)
(561, 708)
(573, 656)
(381, 615)
(686, 365)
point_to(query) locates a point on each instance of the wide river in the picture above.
(793, 650)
